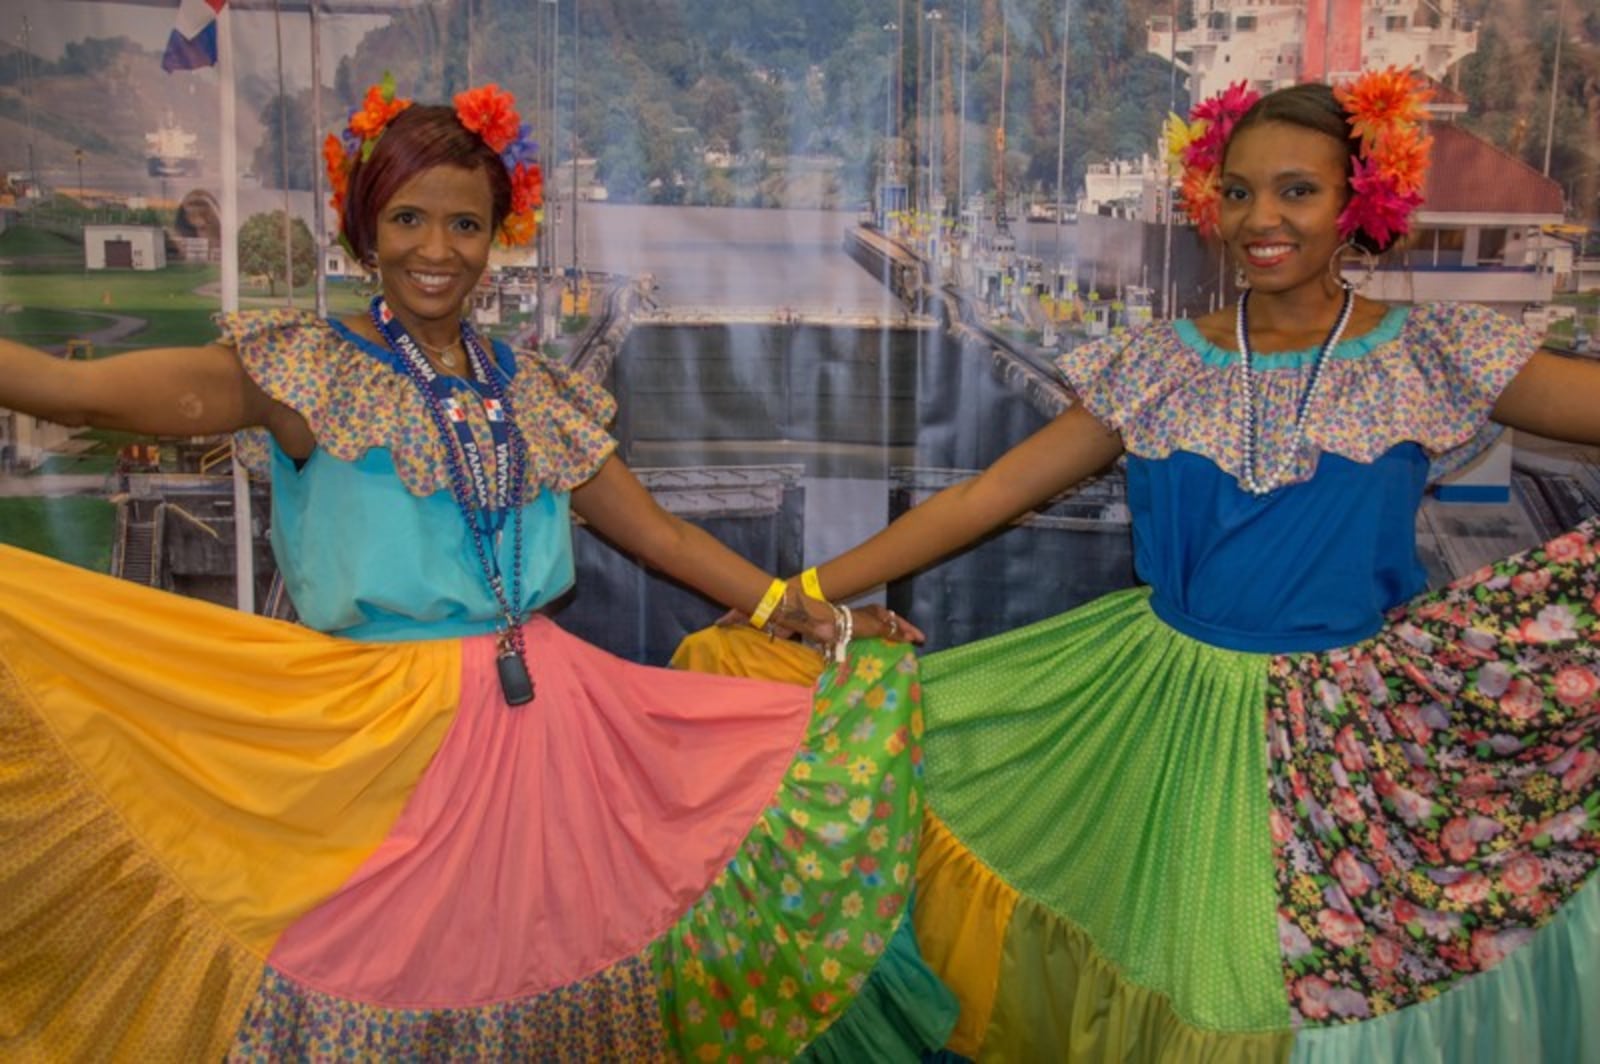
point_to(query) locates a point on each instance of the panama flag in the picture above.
(193, 43)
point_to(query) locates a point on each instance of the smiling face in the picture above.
(433, 240)
(1283, 187)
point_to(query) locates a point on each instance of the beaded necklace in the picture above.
(1250, 477)
(484, 506)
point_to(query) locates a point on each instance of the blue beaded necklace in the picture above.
(483, 505)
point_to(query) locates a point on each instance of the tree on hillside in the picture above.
(261, 250)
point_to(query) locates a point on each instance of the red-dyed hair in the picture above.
(417, 139)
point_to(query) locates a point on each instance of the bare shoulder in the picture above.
(1218, 328)
(1367, 315)
(361, 325)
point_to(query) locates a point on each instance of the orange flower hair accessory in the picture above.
(488, 111)
(1385, 111)
(1194, 151)
(367, 123)
(491, 113)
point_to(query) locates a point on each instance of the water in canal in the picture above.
(854, 425)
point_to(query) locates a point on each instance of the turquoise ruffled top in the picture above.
(368, 536)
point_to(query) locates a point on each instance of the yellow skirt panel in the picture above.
(257, 762)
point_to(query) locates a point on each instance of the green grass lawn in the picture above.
(22, 241)
(166, 300)
(175, 303)
(73, 528)
(75, 464)
(99, 456)
(35, 325)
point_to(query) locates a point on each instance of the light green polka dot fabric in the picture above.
(1114, 771)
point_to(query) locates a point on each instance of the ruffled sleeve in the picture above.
(1463, 355)
(562, 414)
(1119, 379)
(1428, 374)
(355, 400)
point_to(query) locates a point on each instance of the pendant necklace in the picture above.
(446, 354)
(1250, 477)
(484, 506)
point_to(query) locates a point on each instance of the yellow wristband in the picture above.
(768, 603)
(812, 585)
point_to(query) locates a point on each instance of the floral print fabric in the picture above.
(355, 398)
(789, 932)
(1436, 789)
(612, 1016)
(1428, 374)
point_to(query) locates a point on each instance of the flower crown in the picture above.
(487, 110)
(1384, 110)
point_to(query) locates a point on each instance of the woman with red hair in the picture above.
(432, 825)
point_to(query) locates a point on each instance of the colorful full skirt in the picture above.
(1142, 847)
(227, 836)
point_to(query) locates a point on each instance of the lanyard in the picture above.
(483, 505)
(488, 504)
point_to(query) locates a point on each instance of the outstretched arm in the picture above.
(620, 508)
(1554, 396)
(171, 391)
(1071, 447)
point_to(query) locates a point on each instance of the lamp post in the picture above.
(1061, 125)
(888, 118)
(78, 154)
(961, 124)
(545, 30)
(934, 18)
(1555, 81)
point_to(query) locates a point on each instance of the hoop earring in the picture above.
(1369, 266)
(371, 280)
(1240, 281)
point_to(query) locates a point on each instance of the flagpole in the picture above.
(244, 569)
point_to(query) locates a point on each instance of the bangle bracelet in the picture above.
(844, 627)
(768, 603)
(812, 585)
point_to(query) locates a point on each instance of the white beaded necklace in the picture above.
(1249, 477)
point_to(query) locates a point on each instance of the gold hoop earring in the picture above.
(1369, 267)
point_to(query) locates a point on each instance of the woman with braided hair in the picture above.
(432, 825)
(1277, 803)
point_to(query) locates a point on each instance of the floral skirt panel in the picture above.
(1142, 847)
(227, 836)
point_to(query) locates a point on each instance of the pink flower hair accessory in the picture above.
(1385, 111)
(1195, 147)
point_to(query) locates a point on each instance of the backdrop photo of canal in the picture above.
(782, 398)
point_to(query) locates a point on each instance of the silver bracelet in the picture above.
(844, 626)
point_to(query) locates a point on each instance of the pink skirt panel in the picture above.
(547, 842)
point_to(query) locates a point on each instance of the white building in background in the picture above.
(1119, 183)
(124, 247)
(1273, 43)
(26, 441)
